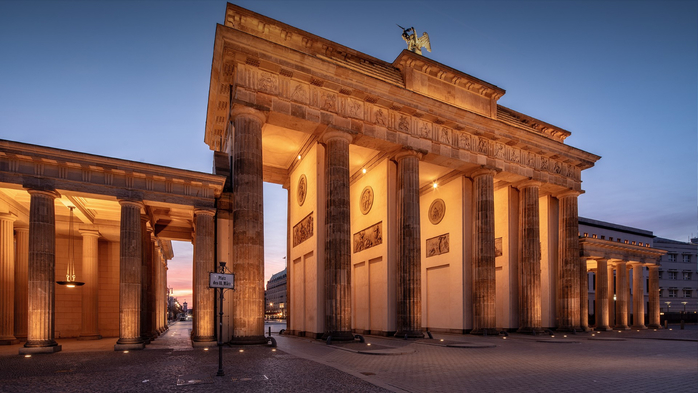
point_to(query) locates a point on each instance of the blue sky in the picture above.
(130, 80)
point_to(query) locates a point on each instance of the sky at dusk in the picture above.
(130, 80)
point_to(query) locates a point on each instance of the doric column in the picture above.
(131, 244)
(602, 295)
(611, 296)
(529, 259)
(569, 265)
(42, 277)
(653, 311)
(484, 289)
(146, 261)
(621, 296)
(166, 296)
(337, 237)
(638, 297)
(90, 273)
(7, 280)
(204, 249)
(21, 282)
(248, 227)
(157, 296)
(583, 295)
(409, 258)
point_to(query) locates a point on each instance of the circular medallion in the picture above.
(302, 189)
(437, 210)
(366, 201)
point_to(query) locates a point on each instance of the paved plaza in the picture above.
(630, 361)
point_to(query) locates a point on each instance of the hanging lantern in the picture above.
(70, 273)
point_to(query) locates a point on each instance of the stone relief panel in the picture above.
(366, 201)
(403, 123)
(380, 116)
(299, 92)
(499, 151)
(302, 190)
(483, 146)
(303, 230)
(498, 247)
(369, 237)
(465, 141)
(424, 129)
(328, 101)
(544, 163)
(438, 245)
(445, 135)
(268, 83)
(437, 211)
(355, 109)
(515, 155)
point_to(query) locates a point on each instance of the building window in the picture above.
(672, 275)
(686, 275)
(610, 239)
(603, 237)
(687, 293)
(673, 293)
(687, 259)
(672, 257)
(660, 274)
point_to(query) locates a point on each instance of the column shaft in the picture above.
(621, 296)
(638, 297)
(248, 227)
(90, 273)
(337, 237)
(131, 244)
(602, 295)
(570, 269)
(146, 261)
(409, 262)
(204, 251)
(155, 274)
(7, 280)
(611, 297)
(42, 266)
(21, 283)
(583, 295)
(654, 322)
(484, 289)
(529, 261)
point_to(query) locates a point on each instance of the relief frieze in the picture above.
(268, 83)
(328, 101)
(380, 116)
(299, 92)
(355, 109)
(303, 230)
(424, 130)
(369, 237)
(438, 245)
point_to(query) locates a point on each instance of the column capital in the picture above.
(246, 111)
(8, 217)
(89, 232)
(206, 212)
(528, 183)
(46, 192)
(409, 152)
(568, 193)
(22, 229)
(334, 133)
(483, 170)
(131, 202)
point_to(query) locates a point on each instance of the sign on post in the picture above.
(220, 280)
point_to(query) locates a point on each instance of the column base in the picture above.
(249, 340)
(339, 336)
(203, 344)
(485, 332)
(409, 334)
(129, 343)
(573, 329)
(621, 327)
(90, 337)
(603, 328)
(8, 341)
(654, 326)
(33, 350)
(641, 327)
(530, 330)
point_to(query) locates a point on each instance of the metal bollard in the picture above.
(666, 324)
(269, 331)
(682, 324)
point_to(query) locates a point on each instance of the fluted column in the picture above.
(602, 295)
(204, 251)
(611, 297)
(621, 296)
(529, 260)
(155, 280)
(583, 295)
(570, 265)
(484, 289)
(248, 227)
(7, 279)
(409, 259)
(21, 282)
(42, 277)
(90, 273)
(653, 309)
(337, 237)
(131, 244)
(638, 297)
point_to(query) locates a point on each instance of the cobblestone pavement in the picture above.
(661, 361)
